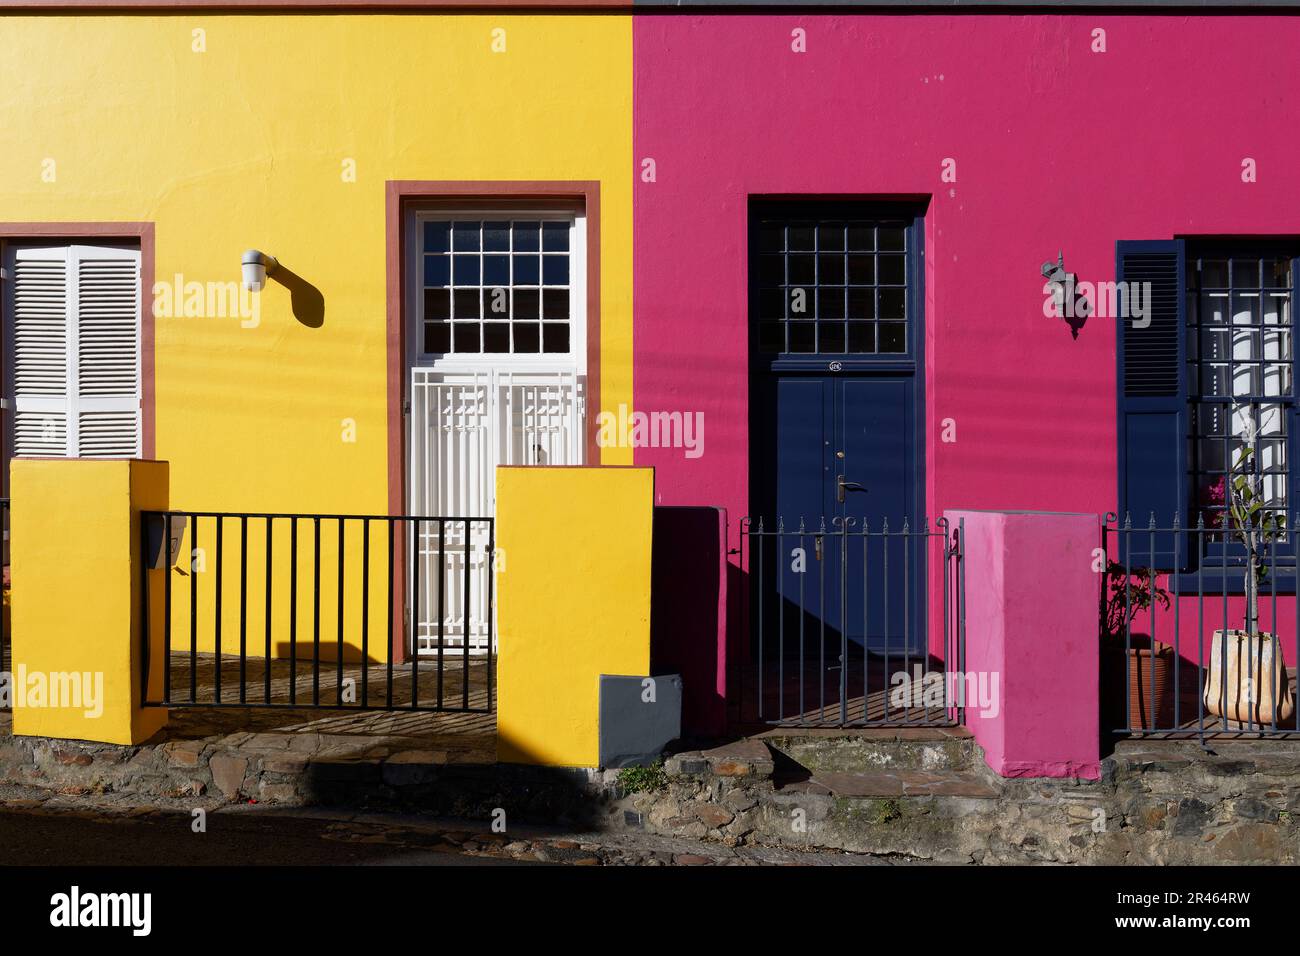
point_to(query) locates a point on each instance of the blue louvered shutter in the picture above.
(1154, 418)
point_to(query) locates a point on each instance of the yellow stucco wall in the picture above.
(75, 554)
(244, 145)
(573, 603)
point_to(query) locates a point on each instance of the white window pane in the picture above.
(1270, 420)
(1277, 309)
(1245, 308)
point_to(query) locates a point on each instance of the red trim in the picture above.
(398, 195)
(143, 232)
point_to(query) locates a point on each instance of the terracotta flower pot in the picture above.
(1147, 709)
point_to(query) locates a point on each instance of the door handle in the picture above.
(842, 486)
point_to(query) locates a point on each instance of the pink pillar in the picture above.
(1031, 640)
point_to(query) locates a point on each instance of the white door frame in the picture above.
(469, 400)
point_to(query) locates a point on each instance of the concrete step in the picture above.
(896, 783)
(742, 758)
(908, 793)
(931, 749)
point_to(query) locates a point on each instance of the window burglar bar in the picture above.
(1165, 624)
(301, 610)
(840, 631)
(1240, 355)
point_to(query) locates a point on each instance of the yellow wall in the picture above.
(573, 603)
(75, 556)
(243, 146)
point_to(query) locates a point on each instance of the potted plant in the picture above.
(1247, 679)
(1130, 659)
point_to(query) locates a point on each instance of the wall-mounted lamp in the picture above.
(257, 266)
(1065, 301)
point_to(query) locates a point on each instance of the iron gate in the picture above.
(310, 610)
(856, 624)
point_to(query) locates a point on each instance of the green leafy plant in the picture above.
(1255, 526)
(643, 779)
(1128, 593)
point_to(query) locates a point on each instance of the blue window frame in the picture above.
(833, 281)
(1211, 369)
(496, 285)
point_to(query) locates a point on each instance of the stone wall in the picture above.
(1165, 803)
(911, 797)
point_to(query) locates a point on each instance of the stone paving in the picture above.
(281, 756)
(525, 843)
(912, 794)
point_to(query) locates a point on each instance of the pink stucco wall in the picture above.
(1056, 147)
(1030, 592)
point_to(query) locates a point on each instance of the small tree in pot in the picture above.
(1128, 593)
(1134, 659)
(1247, 677)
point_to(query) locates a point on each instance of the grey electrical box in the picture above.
(639, 717)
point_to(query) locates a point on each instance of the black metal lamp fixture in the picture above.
(1067, 302)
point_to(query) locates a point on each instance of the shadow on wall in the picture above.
(685, 624)
(303, 648)
(307, 301)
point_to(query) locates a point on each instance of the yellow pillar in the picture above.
(76, 565)
(573, 602)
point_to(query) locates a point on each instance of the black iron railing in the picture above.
(1179, 657)
(855, 625)
(317, 610)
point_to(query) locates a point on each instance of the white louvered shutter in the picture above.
(37, 290)
(106, 401)
(76, 351)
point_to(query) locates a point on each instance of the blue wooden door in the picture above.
(842, 454)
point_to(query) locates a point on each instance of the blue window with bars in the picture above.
(498, 286)
(1208, 373)
(831, 284)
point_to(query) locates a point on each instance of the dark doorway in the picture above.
(837, 570)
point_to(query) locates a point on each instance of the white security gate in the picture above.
(463, 425)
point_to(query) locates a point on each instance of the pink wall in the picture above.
(1055, 146)
(1030, 594)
